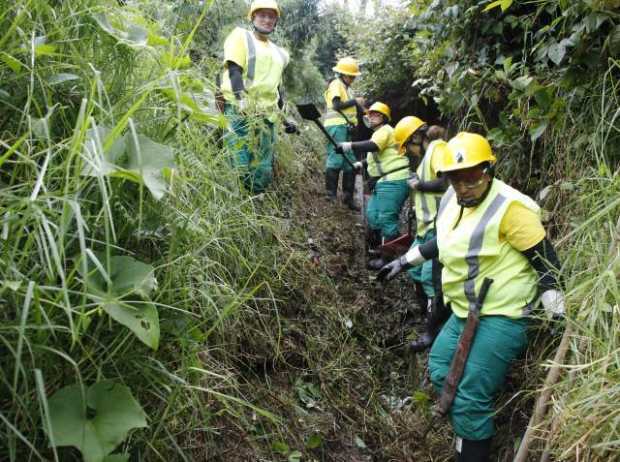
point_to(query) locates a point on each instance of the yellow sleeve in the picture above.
(381, 138)
(235, 47)
(521, 227)
(333, 91)
(436, 159)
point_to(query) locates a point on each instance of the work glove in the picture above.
(290, 128)
(358, 165)
(412, 258)
(553, 303)
(344, 148)
(392, 269)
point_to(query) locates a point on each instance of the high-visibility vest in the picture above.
(472, 251)
(426, 203)
(381, 162)
(333, 117)
(262, 73)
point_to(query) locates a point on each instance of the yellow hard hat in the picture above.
(263, 5)
(466, 150)
(382, 108)
(347, 66)
(406, 127)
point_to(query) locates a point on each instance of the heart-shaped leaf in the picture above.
(122, 288)
(96, 423)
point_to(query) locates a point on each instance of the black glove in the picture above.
(339, 149)
(291, 128)
(393, 268)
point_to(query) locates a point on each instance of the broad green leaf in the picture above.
(97, 160)
(556, 52)
(537, 130)
(44, 49)
(139, 317)
(117, 292)
(124, 31)
(57, 79)
(522, 83)
(294, 456)
(149, 159)
(116, 458)
(95, 425)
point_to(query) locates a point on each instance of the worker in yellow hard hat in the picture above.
(485, 230)
(340, 120)
(250, 86)
(424, 146)
(389, 171)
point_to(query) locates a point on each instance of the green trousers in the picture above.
(383, 210)
(424, 273)
(250, 144)
(340, 134)
(498, 341)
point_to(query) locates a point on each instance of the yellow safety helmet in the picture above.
(466, 150)
(347, 66)
(381, 108)
(263, 5)
(406, 127)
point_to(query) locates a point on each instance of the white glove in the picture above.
(358, 165)
(553, 303)
(346, 146)
(414, 257)
(413, 183)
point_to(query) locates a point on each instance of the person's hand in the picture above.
(413, 182)
(392, 269)
(290, 128)
(553, 303)
(358, 165)
(344, 148)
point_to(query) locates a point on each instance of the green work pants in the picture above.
(424, 273)
(250, 143)
(498, 341)
(335, 161)
(383, 210)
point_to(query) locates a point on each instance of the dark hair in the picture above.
(436, 132)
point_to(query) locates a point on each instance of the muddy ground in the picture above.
(344, 382)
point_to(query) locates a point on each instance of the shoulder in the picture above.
(515, 196)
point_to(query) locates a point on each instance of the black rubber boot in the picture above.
(474, 451)
(331, 183)
(373, 240)
(436, 316)
(348, 187)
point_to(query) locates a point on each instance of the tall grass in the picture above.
(66, 72)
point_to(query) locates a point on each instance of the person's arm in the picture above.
(439, 185)
(235, 73)
(545, 261)
(339, 105)
(357, 147)
(415, 256)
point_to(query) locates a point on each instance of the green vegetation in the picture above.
(133, 265)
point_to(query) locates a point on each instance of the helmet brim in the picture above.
(351, 74)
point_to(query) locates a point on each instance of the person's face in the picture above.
(265, 20)
(414, 145)
(375, 119)
(348, 79)
(470, 183)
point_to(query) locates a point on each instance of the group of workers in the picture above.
(470, 226)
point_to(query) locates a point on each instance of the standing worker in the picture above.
(485, 230)
(424, 146)
(340, 120)
(250, 85)
(389, 171)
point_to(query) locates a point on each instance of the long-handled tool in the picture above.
(459, 359)
(310, 112)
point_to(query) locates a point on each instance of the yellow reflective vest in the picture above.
(387, 158)
(337, 88)
(426, 203)
(263, 63)
(472, 251)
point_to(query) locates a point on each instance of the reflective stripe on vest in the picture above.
(426, 203)
(471, 249)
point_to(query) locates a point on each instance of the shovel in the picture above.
(310, 112)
